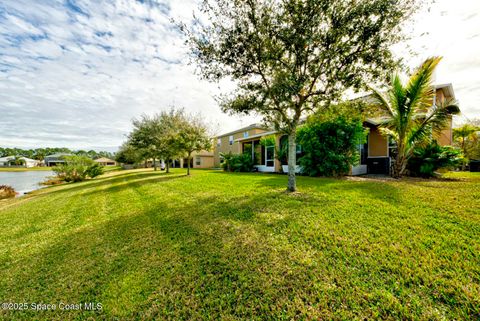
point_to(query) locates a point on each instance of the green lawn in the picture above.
(219, 246)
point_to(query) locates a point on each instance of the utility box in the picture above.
(474, 166)
(378, 165)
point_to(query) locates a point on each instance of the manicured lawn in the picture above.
(150, 245)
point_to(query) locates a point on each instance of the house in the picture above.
(8, 161)
(375, 154)
(105, 161)
(55, 159)
(203, 159)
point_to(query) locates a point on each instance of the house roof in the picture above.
(6, 158)
(104, 160)
(59, 155)
(256, 136)
(9, 158)
(252, 126)
(447, 88)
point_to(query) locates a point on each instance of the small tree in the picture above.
(193, 136)
(292, 57)
(77, 169)
(128, 154)
(467, 138)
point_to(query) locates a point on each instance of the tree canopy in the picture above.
(289, 58)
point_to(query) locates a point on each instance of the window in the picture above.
(392, 148)
(219, 142)
(363, 151)
(198, 161)
(245, 134)
(230, 139)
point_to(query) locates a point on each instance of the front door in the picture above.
(270, 156)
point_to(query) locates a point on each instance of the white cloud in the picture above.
(74, 73)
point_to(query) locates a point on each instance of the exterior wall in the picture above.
(440, 96)
(205, 161)
(377, 144)
(236, 147)
(445, 137)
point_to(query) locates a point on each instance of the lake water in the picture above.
(24, 182)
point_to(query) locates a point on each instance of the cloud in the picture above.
(452, 31)
(74, 73)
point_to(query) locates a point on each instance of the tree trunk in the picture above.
(154, 164)
(145, 163)
(399, 167)
(167, 165)
(188, 165)
(292, 161)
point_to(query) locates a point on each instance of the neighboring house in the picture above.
(55, 159)
(27, 162)
(203, 159)
(105, 161)
(375, 154)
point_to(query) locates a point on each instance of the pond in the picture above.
(24, 182)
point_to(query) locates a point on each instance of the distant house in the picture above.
(8, 161)
(203, 159)
(55, 159)
(105, 161)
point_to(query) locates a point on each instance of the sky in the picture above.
(75, 73)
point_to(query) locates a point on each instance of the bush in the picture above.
(77, 169)
(427, 160)
(330, 146)
(238, 163)
(95, 170)
(7, 192)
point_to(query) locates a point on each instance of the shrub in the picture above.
(238, 163)
(7, 192)
(77, 169)
(330, 146)
(95, 170)
(427, 160)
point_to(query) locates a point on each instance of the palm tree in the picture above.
(412, 115)
(465, 136)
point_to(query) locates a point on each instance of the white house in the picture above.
(27, 162)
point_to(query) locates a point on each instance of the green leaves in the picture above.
(289, 57)
(331, 146)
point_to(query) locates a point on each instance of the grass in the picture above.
(150, 245)
(24, 169)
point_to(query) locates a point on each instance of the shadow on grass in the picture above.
(122, 179)
(374, 189)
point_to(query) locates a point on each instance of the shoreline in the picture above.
(24, 169)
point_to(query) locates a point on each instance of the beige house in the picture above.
(203, 159)
(105, 161)
(376, 153)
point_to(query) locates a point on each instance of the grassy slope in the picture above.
(235, 246)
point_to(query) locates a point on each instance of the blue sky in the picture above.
(74, 73)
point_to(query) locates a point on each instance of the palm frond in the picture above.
(389, 132)
(379, 100)
(420, 90)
